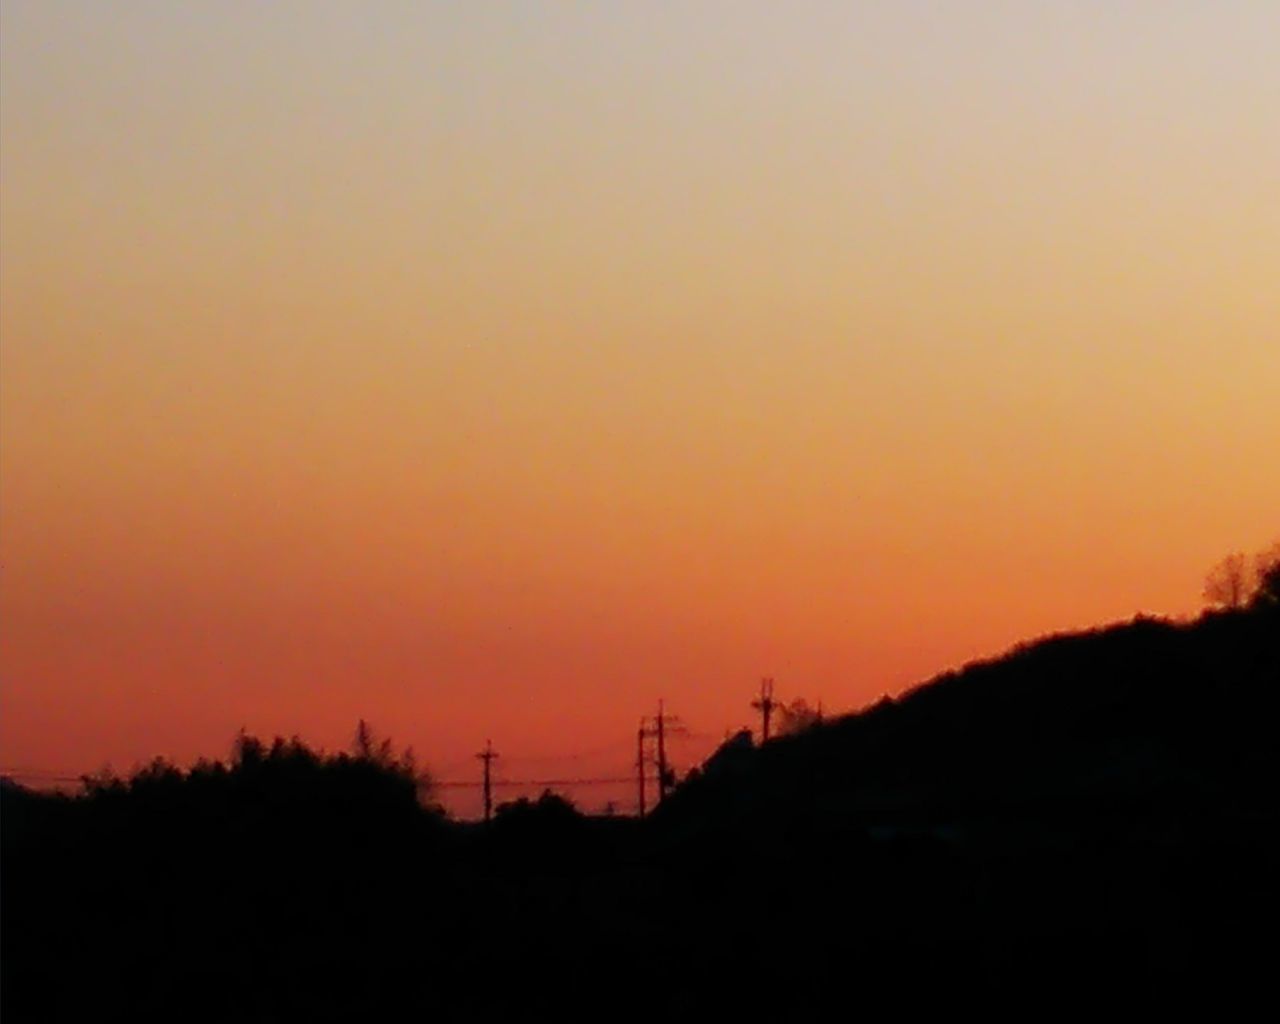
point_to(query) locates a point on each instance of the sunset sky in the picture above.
(493, 370)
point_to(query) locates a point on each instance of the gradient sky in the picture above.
(491, 370)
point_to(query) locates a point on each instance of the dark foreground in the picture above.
(1092, 819)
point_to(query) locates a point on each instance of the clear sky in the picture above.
(491, 370)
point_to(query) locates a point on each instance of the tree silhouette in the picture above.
(1233, 584)
(797, 717)
(1266, 569)
(1227, 584)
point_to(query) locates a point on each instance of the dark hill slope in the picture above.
(1146, 716)
(1091, 816)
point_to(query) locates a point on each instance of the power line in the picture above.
(615, 780)
(579, 755)
(612, 780)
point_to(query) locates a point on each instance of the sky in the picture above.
(491, 371)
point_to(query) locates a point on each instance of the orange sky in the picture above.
(493, 372)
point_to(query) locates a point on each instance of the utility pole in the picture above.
(487, 755)
(662, 754)
(663, 724)
(641, 733)
(655, 728)
(765, 705)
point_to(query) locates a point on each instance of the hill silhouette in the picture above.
(1145, 712)
(1092, 815)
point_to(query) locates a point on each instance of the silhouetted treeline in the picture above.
(1092, 816)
